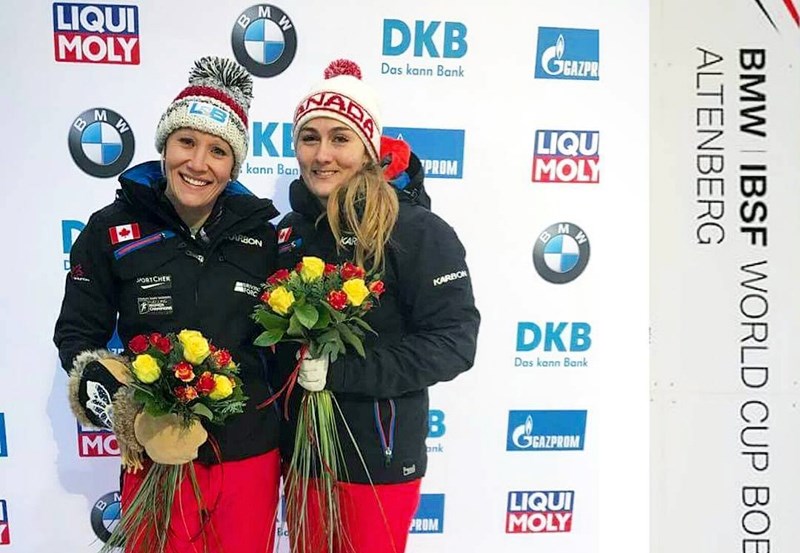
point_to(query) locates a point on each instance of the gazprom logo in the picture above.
(568, 54)
(546, 430)
(429, 518)
(441, 151)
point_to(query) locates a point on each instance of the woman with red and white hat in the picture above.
(360, 198)
(180, 248)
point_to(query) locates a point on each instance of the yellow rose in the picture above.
(313, 267)
(280, 300)
(223, 387)
(356, 290)
(146, 368)
(195, 347)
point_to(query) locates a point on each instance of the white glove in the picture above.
(313, 373)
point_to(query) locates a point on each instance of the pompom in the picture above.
(395, 154)
(343, 67)
(226, 74)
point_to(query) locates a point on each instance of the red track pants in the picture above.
(242, 497)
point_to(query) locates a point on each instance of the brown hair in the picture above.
(367, 207)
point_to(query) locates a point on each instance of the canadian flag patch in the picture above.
(123, 233)
(284, 234)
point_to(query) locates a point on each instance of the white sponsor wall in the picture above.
(478, 119)
(724, 304)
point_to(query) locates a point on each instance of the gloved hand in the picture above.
(313, 373)
(94, 380)
(166, 440)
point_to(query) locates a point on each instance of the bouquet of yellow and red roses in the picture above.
(320, 306)
(186, 377)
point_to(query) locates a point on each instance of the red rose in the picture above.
(154, 338)
(298, 267)
(329, 269)
(265, 296)
(351, 271)
(138, 344)
(223, 357)
(184, 372)
(212, 348)
(163, 345)
(205, 384)
(337, 299)
(278, 276)
(377, 288)
(180, 393)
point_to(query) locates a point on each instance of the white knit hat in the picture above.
(343, 96)
(216, 101)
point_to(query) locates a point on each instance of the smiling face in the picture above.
(198, 167)
(329, 154)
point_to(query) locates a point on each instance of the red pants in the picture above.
(375, 519)
(242, 497)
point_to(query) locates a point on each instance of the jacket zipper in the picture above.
(200, 259)
(148, 240)
(386, 435)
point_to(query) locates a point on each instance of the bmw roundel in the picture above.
(264, 40)
(105, 515)
(561, 253)
(101, 142)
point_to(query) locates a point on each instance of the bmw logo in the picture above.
(264, 40)
(101, 142)
(561, 253)
(105, 515)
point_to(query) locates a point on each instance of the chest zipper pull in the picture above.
(197, 256)
(387, 457)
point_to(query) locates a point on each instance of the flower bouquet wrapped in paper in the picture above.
(320, 306)
(186, 378)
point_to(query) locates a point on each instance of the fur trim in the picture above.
(76, 374)
(125, 410)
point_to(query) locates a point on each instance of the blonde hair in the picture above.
(365, 206)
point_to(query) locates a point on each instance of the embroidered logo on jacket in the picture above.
(154, 282)
(247, 240)
(123, 233)
(157, 305)
(444, 279)
(246, 288)
(284, 234)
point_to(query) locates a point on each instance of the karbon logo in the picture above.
(96, 443)
(264, 40)
(101, 142)
(546, 430)
(561, 253)
(537, 512)
(429, 518)
(104, 516)
(568, 54)
(566, 157)
(96, 33)
(440, 40)
(441, 151)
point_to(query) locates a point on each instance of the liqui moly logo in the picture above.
(566, 156)
(535, 512)
(96, 33)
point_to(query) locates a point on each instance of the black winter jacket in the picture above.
(165, 281)
(427, 326)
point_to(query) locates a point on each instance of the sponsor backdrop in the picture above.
(724, 299)
(531, 122)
